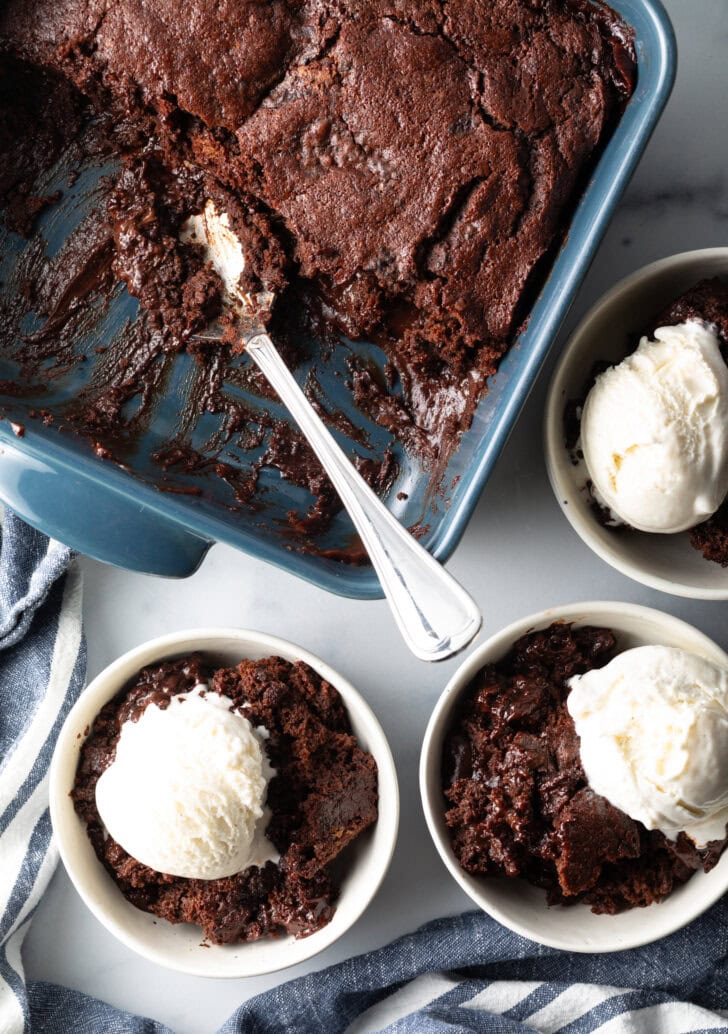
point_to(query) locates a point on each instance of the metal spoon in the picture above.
(435, 615)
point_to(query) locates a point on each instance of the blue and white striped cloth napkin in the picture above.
(42, 668)
(463, 975)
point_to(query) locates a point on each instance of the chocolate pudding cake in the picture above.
(518, 801)
(399, 171)
(322, 796)
(404, 166)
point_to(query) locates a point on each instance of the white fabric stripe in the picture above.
(414, 995)
(573, 1002)
(13, 945)
(39, 583)
(12, 1020)
(502, 995)
(42, 879)
(38, 576)
(667, 1018)
(63, 661)
(16, 838)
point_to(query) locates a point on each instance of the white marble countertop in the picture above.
(677, 201)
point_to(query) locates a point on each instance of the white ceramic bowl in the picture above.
(515, 903)
(666, 562)
(178, 947)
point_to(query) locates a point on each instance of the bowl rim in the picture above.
(563, 487)
(69, 833)
(430, 761)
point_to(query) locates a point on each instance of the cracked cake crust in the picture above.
(415, 159)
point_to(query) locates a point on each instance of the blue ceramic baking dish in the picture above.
(59, 485)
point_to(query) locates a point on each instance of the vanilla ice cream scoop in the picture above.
(653, 730)
(185, 793)
(654, 431)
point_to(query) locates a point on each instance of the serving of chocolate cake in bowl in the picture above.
(520, 802)
(636, 425)
(572, 775)
(320, 796)
(224, 817)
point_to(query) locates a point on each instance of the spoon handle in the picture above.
(435, 615)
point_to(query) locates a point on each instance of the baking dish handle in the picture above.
(95, 518)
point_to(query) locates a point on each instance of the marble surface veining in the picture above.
(678, 200)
